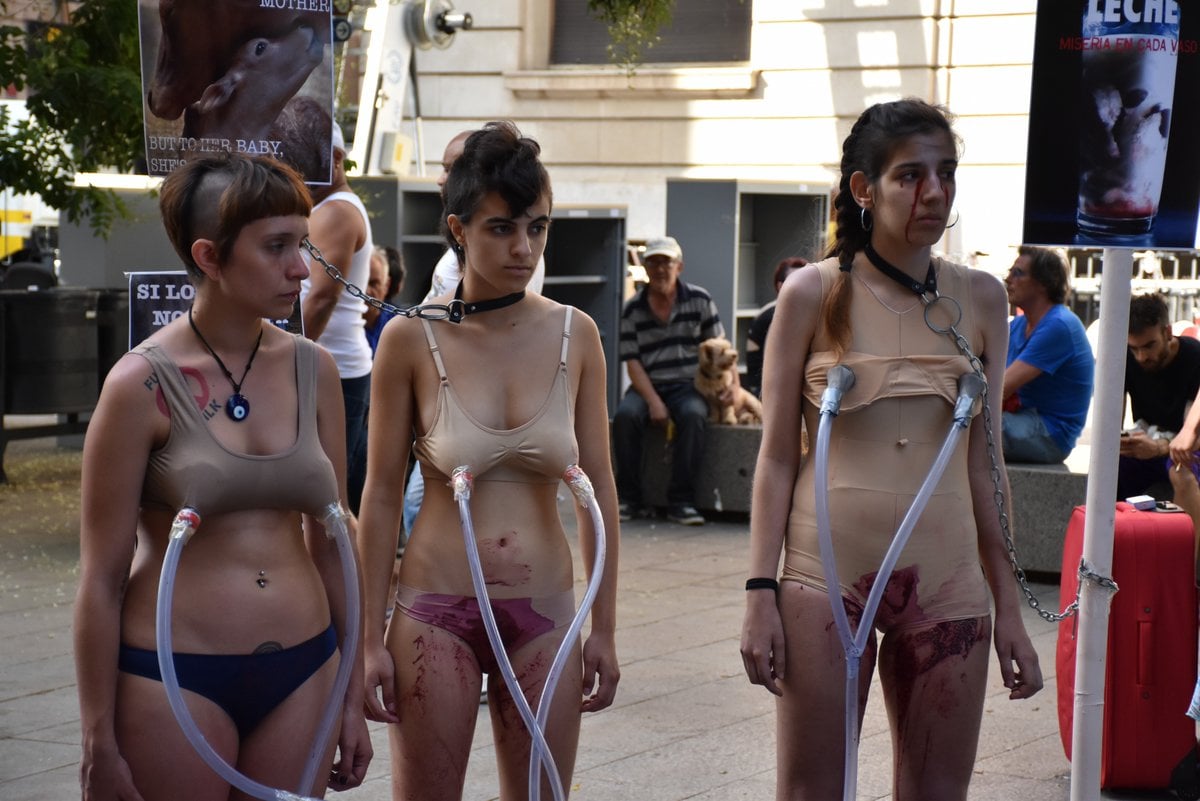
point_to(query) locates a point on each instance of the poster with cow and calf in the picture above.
(251, 76)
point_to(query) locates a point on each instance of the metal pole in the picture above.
(1092, 646)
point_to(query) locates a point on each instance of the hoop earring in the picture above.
(864, 220)
(957, 217)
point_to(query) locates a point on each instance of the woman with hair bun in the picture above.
(865, 307)
(514, 391)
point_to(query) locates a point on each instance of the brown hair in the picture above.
(874, 138)
(214, 197)
(1049, 269)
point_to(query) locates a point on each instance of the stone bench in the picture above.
(1043, 496)
(725, 473)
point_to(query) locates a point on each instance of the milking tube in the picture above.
(187, 520)
(970, 387)
(540, 756)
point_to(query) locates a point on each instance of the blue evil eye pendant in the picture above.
(237, 407)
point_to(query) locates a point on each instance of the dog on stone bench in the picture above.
(715, 374)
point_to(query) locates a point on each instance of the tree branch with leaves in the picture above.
(84, 107)
(633, 26)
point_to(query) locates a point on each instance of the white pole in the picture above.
(1092, 645)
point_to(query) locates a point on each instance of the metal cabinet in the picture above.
(733, 234)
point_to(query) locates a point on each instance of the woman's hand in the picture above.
(104, 775)
(599, 661)
(762, 641)
(1018, 660)
(379, 676)
(354, 750)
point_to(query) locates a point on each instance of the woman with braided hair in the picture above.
(881, 304)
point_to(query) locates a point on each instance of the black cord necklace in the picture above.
(462, 308)
(237, 408)
(900, 277)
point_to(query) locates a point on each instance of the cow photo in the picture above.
(227, 74)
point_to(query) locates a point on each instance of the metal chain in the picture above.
(428, 311)
(1085, 573)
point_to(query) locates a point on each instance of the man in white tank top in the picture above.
(333, 318)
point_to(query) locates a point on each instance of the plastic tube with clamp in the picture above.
(581, 487)
(841, 379)
(540, 756)
(186, 522)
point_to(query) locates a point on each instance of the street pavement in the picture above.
(686, 724)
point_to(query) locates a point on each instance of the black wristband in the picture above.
(762, 584)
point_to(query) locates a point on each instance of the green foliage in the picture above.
(85, 108)
(633, 26)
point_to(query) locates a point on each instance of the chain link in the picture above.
(453, 311)
(1085, 574)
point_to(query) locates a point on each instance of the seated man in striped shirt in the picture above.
(662, 327)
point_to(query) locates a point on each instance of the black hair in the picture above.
(496, 158)
(1147, 312)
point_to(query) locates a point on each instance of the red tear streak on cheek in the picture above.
(912, 212)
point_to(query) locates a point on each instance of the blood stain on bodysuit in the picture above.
(928, 647)
(899, 595)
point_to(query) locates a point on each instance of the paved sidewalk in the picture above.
(686, 724)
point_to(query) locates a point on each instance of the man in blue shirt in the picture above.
(1048, 381)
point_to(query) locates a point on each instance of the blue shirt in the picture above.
(374, 332)
(1058, 346)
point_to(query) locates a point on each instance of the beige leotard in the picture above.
(194, 469)
(892, 424)
(536, 452)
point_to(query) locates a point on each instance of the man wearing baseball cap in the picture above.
(662, 327)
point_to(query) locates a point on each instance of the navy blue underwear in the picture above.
(247, 686)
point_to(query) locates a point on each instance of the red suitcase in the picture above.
(1151, 663)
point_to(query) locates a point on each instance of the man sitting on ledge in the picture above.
(662, 327)
(1048, 381)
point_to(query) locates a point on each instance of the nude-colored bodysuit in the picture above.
(891, 426)
(193, 468)
(536, 452)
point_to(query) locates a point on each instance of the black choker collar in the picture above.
(900, 277)
(461, 309)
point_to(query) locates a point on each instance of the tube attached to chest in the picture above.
(182, 529)
(840, 379)
(540, 756)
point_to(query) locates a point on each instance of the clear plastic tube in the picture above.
(186, 522)
(970, 387)
(540, 755)
(462, 481)
(334, 522)
(581, 486)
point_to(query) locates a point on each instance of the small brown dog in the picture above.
(715, 374)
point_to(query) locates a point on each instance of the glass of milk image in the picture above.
(1130, 48)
